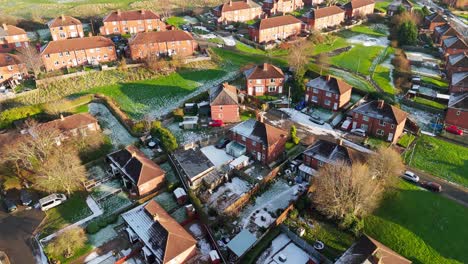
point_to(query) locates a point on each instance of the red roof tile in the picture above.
(13, 30)
(325, 12)
(238, 5)
(77, 44)
(160, 36)
(63, 21)
(353, 4)
(130, 15)
(278, 21)
(8, 59)
(264, 71)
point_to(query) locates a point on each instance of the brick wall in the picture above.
(183, 48)
(274, 33)
(12, 71)
(319, 97)
(376, 129)
(457, 117)
(56, 61)
(239, 15)
(263, 85)
(226, 113)
(65, 32)
(324, 22)
(14, 42)
(132, 26)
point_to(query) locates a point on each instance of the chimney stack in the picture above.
(339, 142)
(5, 27)
(63, 17)
(230, 2)
(119, 12)
(156, 217)
(142, 11)
(327, 78)
(260, 117)
(380, 104)
(90, 34)
(265, 66)
(61, 117)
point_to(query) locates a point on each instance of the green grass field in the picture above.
(359, 58)
(330, 45)
(176, 21)
(434, 81)
(366, 29)
(406, 140)
(430, 103)
(422, 226)
(440, 158)
(382, 78)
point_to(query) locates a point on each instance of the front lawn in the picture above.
(429, 103)
(382, 78)
(422, 226)
(440, 158)
(406, 140)
(358, 59)
(246, 115)
(73, 210)
(176, 21)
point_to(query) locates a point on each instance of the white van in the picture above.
(51, 201)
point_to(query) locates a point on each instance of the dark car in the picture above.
(10, 206)
(26, 198)
(301, 105)
(316, 120)
(222, 143)
(432, 186)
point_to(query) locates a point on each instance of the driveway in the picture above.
(16, 231)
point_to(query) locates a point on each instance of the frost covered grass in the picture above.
(358, 59)
(171, 176)
(382, 78)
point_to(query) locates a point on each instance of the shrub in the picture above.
(92, 228)
(212, 212)
(293, 214)
(7, 117)
(178, 114)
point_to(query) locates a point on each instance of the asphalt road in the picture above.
(16, 230)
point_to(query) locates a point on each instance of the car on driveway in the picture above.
(359, 131)
(432, 186)
(316, 120)
(25, 197)
(222, 143)
(51, 201)
(216, 123)
(10, 206)
(454, 130)
(410, 176)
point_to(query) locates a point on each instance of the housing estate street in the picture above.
(16, 230)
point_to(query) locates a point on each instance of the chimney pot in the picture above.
(90, 34)
(380, 104)
(5, 27)
(339, 142)
(118, 12)
(260, 117)
(63, 17)
(61, 117)
(142, 11)
(156, 217)
(327, 78)
(230, 2)
(265, 66)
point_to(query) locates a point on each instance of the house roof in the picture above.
(224, 94)
(369, 250)
(445, 29)
(324, 12)
(458, 101)
(387, 112)
(193, 162)
(77, 44)
(455, 42)
(435, 17)
(331, 152)
(329, 83)
(396, 3)
(353, 4)
(160, 233)
(10, 30)
(136, 165)
(63, 21)
(9, 59)
(460, 79)
(242, 242)
(264, 71)
(237, 5)
(458, 60)
(160, 36)
(130, 15)
(277, 21)
(259, 132)
(71, 122)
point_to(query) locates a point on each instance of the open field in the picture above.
(424, 227)
(440, 158)
(382, 78)
(363, 54)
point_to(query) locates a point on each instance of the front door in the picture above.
(390, 137)
(335, 106)
(354, 124)
(259, 156)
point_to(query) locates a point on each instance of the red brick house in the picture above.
(273, 7)
(459, 82)
(457, 112)
(434, 20)
(140, 175)
(162, 43)
(65, 27)
(456, 63)
(313, 2)
(224, 103)
(454, 45)
(237, 11)
(443, 32)
(380, 119)
(321, 18)
(324, 152)
(265, 143)
(328, 92)
(12, 69)
(275, 28)
(157, 236)
(131, 22)
(78, 51)
(359, 8)
(462, 4)
(264, 79)
(12, 38)
(393, 8)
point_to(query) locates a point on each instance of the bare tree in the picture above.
(299, 57)
(67, 242)
(31, 57)
(323, 62)
(386, 165)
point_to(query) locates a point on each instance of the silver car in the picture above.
(410, 176)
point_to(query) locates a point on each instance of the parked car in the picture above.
(222, 143)
(316, 120)
(216, 123)
(25, 197)
(359, 131)
(51, 201)
(410, 176)
(432, 186)
(454, 130)
(301, 105)
(346, 125)
(10, 206)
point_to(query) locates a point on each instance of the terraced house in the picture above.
(454, 45)
(162, 43)
(68, 53)
(457, 111)
(359, 8)
(321, 18)
(65, 27)
(264, 79)
(456, 63)
(131, 22)
(12, 69)
(237, 11)
(434, 20)
(443, 32)
(459, 82)
(380, 119)
(12, 38)
(272, 7)
(328, 92)
(275, 28)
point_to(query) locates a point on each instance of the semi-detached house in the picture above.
(272, 7)
(11, 68)
(459, 82)
(328, 92)
(78, 51)
(457, 112)
(456, 63)
(237, 11)
(131, 22)
(264, 79)
(454, 45)
(224, 103)
(12, 38)
(324, 17)
(275, 28)
(359, 8)
(65, 27)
